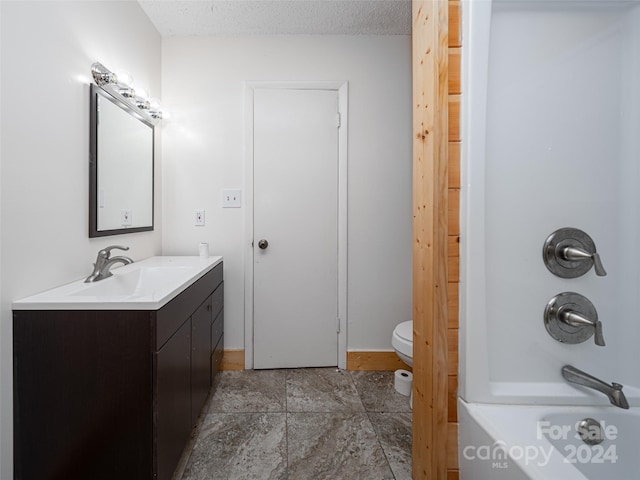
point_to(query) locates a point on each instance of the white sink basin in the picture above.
(145, 285)
(137, 282)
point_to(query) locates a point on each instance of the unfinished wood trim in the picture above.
(232, 360)
(454, 118)
(453, 295)
(453, 265)
(455, 57)
(453, 246)
(375, 360)
(430, 215)
(455, 32)
(452, 450)
(452, 349)
(454, 164)
(455, 91)
(453, 210)
(452, 410)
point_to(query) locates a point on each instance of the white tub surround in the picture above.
(550, 122)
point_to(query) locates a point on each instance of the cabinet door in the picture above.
(173, 412)
(82, 390)
(200, 354)
(218, 344)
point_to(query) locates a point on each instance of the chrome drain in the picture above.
(590, 431)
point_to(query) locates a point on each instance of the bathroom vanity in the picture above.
(109, 384)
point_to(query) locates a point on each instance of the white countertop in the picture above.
(145, 285)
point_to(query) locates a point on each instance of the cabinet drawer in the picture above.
(217, 300)
(216, 328)
(173, 314)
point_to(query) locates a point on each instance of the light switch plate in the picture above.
(231, 198)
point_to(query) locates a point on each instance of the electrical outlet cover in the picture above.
(199, 218)
(125, 218)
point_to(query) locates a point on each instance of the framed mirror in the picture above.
(121, 167)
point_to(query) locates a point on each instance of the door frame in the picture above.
(342, 88)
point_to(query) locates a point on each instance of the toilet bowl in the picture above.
(402, 341)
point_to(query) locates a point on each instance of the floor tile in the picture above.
(250, 391)
(334, 446)
(321, 390)
(244, 446)
(303, 424)
(377, 391)
(394, 433)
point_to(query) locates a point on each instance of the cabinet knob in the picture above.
(263, 244)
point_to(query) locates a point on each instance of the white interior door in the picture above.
(295, 277)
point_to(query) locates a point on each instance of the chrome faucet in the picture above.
(104, 262)
(614, 391)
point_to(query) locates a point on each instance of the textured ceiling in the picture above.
(272, 17)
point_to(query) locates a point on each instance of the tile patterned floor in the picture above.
(303, 424)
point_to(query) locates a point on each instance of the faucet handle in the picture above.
(599, 337)
(577, 320)
(574, 253)
(571, 318)
(570, 253)
(106, 251)
(597, 264)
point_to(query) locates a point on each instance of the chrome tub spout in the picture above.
(614, 391)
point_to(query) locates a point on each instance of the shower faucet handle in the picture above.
(571, 318)
(570, 253)
(597, 265)
(575, 319)
(577, 254)
(598, 334)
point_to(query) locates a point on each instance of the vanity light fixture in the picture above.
(120, 86)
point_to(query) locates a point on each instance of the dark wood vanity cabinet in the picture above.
(114, 394)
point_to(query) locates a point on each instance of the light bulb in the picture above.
(142, 93)
(142, 103)
(127, 92)
(124, 78)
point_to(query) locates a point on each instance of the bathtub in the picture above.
(514, 442)
(550, 113)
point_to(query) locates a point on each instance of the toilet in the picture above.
(402, 341)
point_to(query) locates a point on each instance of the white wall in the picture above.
(46, 52)
(203, 87)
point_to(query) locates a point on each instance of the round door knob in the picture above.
(263, 244)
